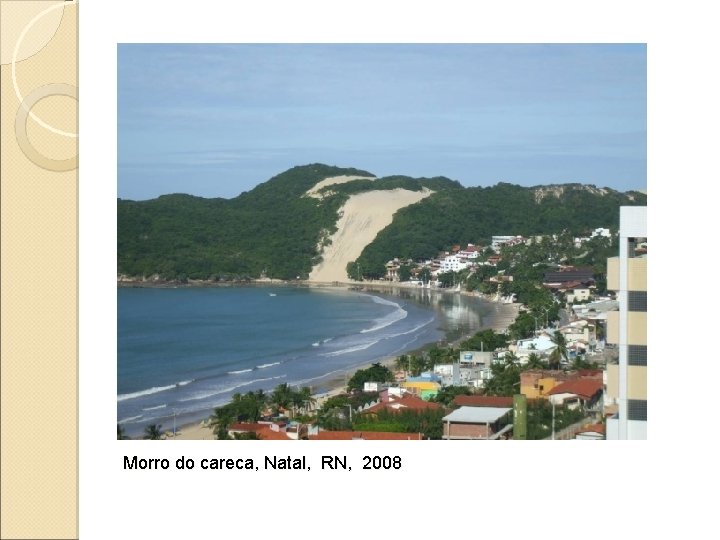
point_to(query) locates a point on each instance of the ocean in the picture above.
(184, 351)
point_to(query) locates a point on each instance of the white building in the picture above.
(499, 241)
(540, 345)
(600, 232)
(471, 252)
(452, 263)
(579, 294)
(627, 328)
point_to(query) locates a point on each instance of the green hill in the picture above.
(275, 230)
(474, 215)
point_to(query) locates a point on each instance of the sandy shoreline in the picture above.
(359, 221)
(499, 320)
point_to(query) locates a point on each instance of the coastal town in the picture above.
(570, 364)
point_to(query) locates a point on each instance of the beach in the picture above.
(499, 319)
(457, 316)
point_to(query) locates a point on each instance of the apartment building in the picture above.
(626, 385)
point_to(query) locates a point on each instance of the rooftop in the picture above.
(585, 388)
(484, 401)
(407, 402)
(477, 415)
(365, 436)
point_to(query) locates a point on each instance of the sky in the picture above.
(216, 120)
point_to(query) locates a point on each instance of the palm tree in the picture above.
(535, 362)
(560, 350)
(402, 363)
(281, 397)
(153, 432)
(258, 400)
(511, 359)
(220, 421)
(306, 398)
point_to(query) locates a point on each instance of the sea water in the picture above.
(184, 351)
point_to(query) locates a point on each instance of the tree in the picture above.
(522, 327)
(486, 340)
(416, 365)
(428, 422)
(402, 363)
(246, 436)
(404, 273)
(560, 351)
(307, 400)
(153, 432)
(448, 279)
(505, 379)
(579, 362)
(249, 406)
(375, 373)
(220, 420)
(535, 362)
(447, 394)
(281, 397)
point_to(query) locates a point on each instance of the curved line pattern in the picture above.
(56, 89)
(14, 75)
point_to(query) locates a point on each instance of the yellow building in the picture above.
(537, 383)
(626, 384)
(423, 389)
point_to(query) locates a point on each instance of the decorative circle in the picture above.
(40, 93)
(39, 16)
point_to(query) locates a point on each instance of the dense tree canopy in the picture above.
(274, 230)
(375, 373)
(474, 215)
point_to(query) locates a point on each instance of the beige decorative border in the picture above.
(38, 270)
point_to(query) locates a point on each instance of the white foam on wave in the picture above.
(156, 408)
(384, 301)
(391, 318)
(303, 381)
(263, 366)
(326, 340)
(418, 327)
(216, 391)
(360, 347)
(316, 344)
(153, 390)
(239, 371)
(130, 419)
(146, 392)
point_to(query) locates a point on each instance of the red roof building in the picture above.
(573, 393)
(483, 401)
(405, 403)
(584, 388)
(365, 436)
(270, 431)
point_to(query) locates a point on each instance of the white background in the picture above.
(533, 489)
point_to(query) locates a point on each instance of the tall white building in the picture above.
(627, 328)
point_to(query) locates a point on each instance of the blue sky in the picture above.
(216, 120)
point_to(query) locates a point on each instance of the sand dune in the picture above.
(362, 217)
(313, 192)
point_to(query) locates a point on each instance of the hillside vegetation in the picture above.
(276, 231)
(474, 215)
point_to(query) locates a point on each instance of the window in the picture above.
(637, 355)
(637, 301)
(637, 409)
